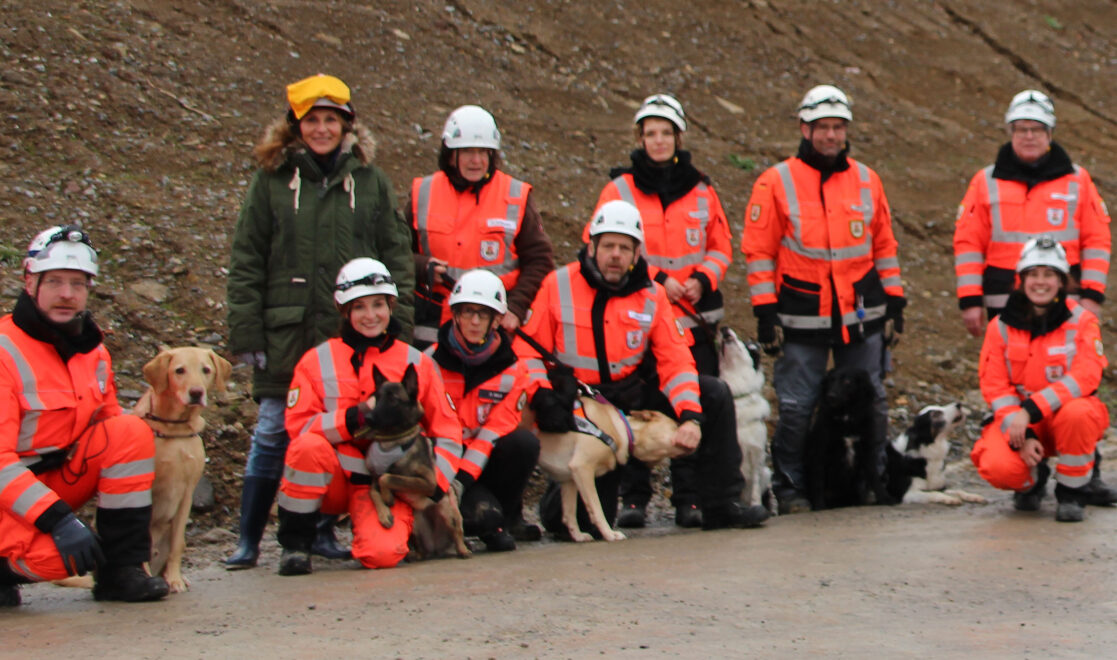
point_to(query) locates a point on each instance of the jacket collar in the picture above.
(503, 358)
(1054, 164)
(636, 279)
(80, 336)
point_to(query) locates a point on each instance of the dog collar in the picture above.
(161, 420)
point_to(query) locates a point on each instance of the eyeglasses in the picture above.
(375, 279)
(1028, 130)
(76, 283)
(479, 313)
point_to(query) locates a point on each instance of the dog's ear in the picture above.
(155, 372)
(920, 432)
(411, 382)
(223, 369)
(378, 378)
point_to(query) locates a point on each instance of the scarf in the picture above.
(360, 343)
(826, 166)
(472, 355)
(80, 335)
(670, 182)
(1052, 165)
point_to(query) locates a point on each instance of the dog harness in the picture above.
(379, 460)
(584, 425)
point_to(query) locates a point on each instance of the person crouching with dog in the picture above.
(328, 408)
(488, 384)
(603, 317)
(1040, 368)
(64, 439)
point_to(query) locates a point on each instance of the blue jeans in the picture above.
(797, 378)
(269, 440)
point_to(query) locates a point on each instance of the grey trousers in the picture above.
(797, 379)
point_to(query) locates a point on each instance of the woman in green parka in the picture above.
(315, 203)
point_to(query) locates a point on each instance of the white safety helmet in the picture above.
(1031, 104)
(663, 106)
(482, 287)
(471, 126)
(61, 248)
(363, 277)
(825, 101)
(618, 217)
(1043, 251)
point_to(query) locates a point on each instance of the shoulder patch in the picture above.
(292, 397)
(521, 402)
(961, 210)
(679, 327)
(451, 402)
(754, 212)
(1099, 348)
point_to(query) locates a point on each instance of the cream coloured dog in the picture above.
(180, 380)
(740, 369)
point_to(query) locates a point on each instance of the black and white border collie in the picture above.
(927, 441)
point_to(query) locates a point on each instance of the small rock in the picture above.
(217, 535)
(203, 501)
(150, 289)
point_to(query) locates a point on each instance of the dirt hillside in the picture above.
(137, 119)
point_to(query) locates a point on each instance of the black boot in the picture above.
(129, 583)
(687, 514)
(525, 531)
(296, 535)
(1099, 493)
(632, 515)
(256, 499)
(734, 514)
(1072, 503)
(1029, 500)
(9, 585)
(325, 542)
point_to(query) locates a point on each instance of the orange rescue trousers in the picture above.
(1072, 434)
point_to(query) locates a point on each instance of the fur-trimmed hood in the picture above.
(280, 143)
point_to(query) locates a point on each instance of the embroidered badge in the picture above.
(483, 411)
(1098, 348)
(679, 327)
(292, 397)
(633, 338)
(1055, 217)
(451, 402)
(1054, 372)
(490, 250)
(961, 210)
(754, 212)
(693, 236)
(857, 228)
(522, 402)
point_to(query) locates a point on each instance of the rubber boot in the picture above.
(256, 499)
(1072, 503)
(633, 515)
(325, 542)
(687, 514)
(129, 583)
(296, 535)
(735, 514)
(1099, 493)
(1029, 500)
(9, 585)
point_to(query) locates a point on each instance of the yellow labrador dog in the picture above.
(180, 379)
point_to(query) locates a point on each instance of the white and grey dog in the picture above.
(929, 438)
(739, 364)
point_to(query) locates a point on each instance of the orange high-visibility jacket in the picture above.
(488, 411)
(809, 243)
(563, 319)
(467, 230)
(48, 405)
(325, 386)
(690, 236)
(998, 216)
(1042, 373)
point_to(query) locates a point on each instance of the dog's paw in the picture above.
(178, 585)
(972, 498)
(613, 535)
(387, 520)
(578, 536)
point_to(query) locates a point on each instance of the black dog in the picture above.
(843, 452)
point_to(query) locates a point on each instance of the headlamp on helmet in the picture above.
(663, 106)
(65, 247)
(1043, 251)
(825, 101)
(363, 277)
(481, 287)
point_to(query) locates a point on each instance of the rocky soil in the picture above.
(137, 117)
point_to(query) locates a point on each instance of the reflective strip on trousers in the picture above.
(133, 500)
(129, 469)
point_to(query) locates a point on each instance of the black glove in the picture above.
(768, 332)
(894, 325)
(551, 414)
(77, 544)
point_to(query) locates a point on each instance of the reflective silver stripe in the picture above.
(1075, 460)
(506, 383)
(27, 428)
(414, 356)
(298, 505)
(1091, 275)
(871, 314)
(487, 435)
(762, 288)
(963, 258)
(891, 280)
(576, 361)
(308, 479)
(535, 364)
(761, 266)
(1050, 397)
(887, 262)
(352, 463)
(969, 280)
(685, 397)
(866, 197)
(20, 566)
(1069, 481)
(623, 190)
(682, 378)
(26, 375)
(997, 301)
(1001, 235)
(27, 499)
(667, 263)
(442, 463)
(422, 213)
(829, 254)
(133, 500)
(10, 473)
(330, 391)
(1072, 385)
(475, 457)
(1003, 330)
(1072, 197)
(1095, 253)
(129, 469)
(795, 243)
(709, 316)
(566, 318)
(1004, 402)
(426, 333)
(805, 322)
